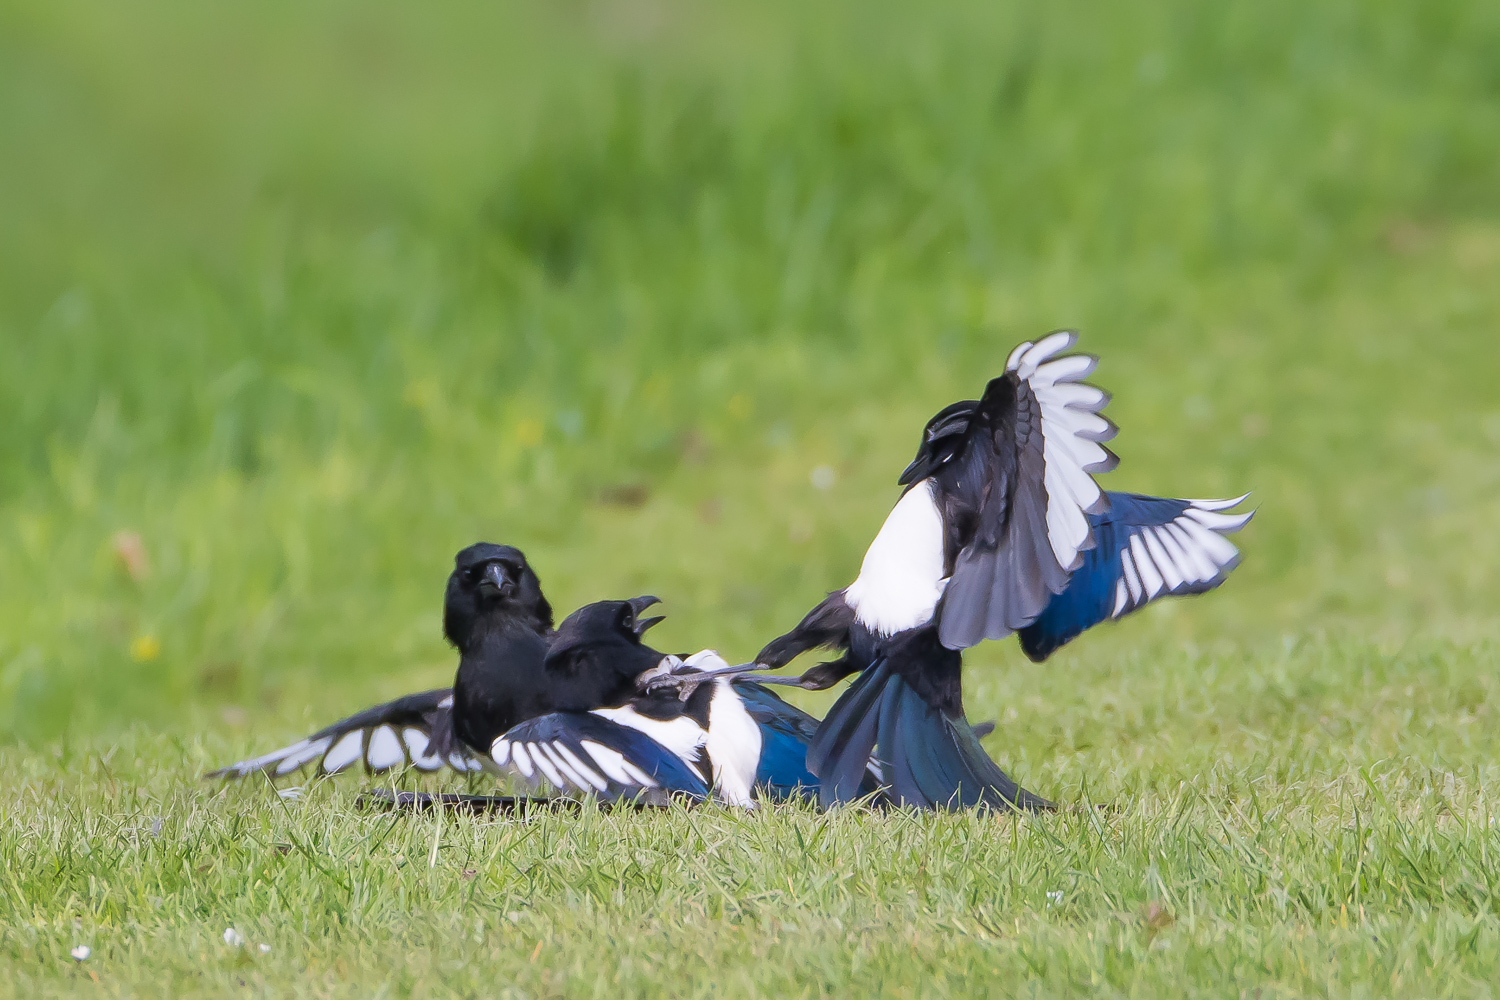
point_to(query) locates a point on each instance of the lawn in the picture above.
(297, 299)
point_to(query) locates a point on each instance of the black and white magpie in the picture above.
(495, 614)
(731, 740)
(1000, 528)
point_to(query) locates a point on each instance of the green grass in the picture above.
(308, 296)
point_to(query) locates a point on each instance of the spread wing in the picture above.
(1145, 548)
(588, 754)
(412, 731)
(1024, 475)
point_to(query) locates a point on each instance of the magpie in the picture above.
(1000, 529)
(493, 600)
(731, 740)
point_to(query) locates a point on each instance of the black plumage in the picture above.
(496, 615)
(993, 534)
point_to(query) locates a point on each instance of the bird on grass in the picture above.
(1000, 529)
(514, 667)
(731, 740)
(495, 614)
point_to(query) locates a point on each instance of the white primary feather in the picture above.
(611, 762)
(1190, 550)
(1131, 579)
(500, 751)
(901, 578)
(384, 751)
(287, 759)
(1071, 431)
(1169, 571)
(345, 752)
(584, 772)
(539, 758)
(416, 745)
(1151, 579)
(520, 759)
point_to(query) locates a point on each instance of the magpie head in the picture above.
(941, 440)
(492, 583)
(605, 636)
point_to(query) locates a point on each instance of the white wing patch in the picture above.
(283, 761)
(1072, 432)
(681, 736)
(734, 744)
(901, 578)
(1186, 554)
(385, 750)
(566, 770)
(379, 747)
(346, 751)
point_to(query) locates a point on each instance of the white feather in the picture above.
(521, 760)
(1134, 582)
(500, 751)
(1219, 504)
(1207, 568)
(384, 751)
(901, 578)
(680, 736)
(1120, 598)
(1169, 570)
(578, 767)
(1071, 432)
(1222, 523)
(1151, 580)
(611, 762)
(1186, 565)
(539, 758)
(345, 752)
(1215, 547)
(734, 743)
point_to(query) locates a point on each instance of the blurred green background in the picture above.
(298, 298)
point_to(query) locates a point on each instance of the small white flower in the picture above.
(265, 949)
(233, 938)
(1054, 897)
(81, 953)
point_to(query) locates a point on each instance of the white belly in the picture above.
(901, 579)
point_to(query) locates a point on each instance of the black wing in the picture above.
(415, 730)
(1019, 491)
(1146, 547)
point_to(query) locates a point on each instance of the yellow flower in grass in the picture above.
(145, 648)
(529, 432)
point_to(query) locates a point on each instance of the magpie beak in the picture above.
(639, 604)
(495, 583)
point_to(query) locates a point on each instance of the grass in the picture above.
(305, 297)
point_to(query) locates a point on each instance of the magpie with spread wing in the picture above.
(495, 614)
(1000, 529)
(730, 740)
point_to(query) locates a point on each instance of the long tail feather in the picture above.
(927, 760)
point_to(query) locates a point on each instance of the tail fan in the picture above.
(927, 759)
